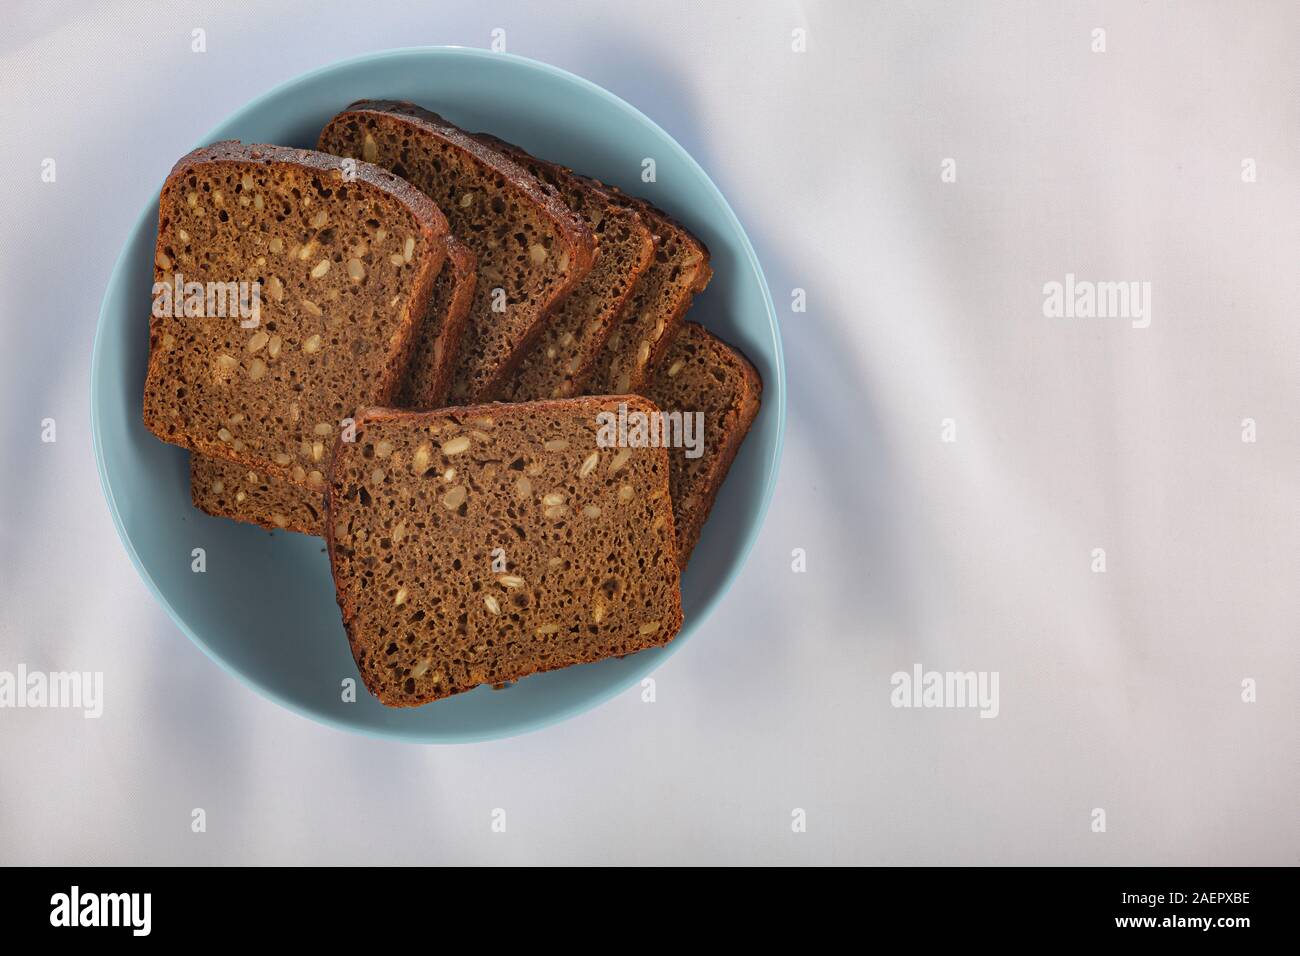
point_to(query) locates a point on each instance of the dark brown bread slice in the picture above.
(437, 344)
(529, 244)
(679, 272)
(346, 263)
(230, 490)
(565, 357)
(482, 544)
(701, 373)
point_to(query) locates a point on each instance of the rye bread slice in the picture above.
(565, 357)
(482, 544)
(529, 245)
(680, 271)
(701, 373)
(229, 490)
(437, 344)
(345, 263)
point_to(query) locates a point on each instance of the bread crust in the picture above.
(233, 150)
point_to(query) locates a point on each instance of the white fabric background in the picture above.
(1118, 690)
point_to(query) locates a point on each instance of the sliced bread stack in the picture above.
(411, 273)
(679, 272)
(532, 249)
(569, 351)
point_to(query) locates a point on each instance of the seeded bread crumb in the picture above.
(479, 545)
(229, 490)
(226, 489)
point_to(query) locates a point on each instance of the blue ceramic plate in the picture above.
(265, 606)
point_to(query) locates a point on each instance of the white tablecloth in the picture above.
(1119, 691)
